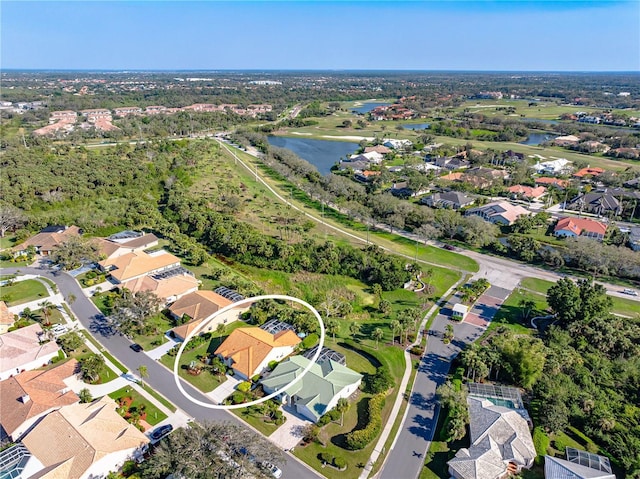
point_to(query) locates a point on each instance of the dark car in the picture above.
(161, 432)
(448, 247)
(136, 347)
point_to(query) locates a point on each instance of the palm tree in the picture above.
(448, 334)
(332, 326)
(47, 307)
(342, 407)
(144, 373)
(377, 334)
(71, 299)
(354, 329)
(527, 305)
(395, 326)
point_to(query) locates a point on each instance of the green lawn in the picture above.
(265, 428)
(511, 314)
(538, 285)
(154, 415)
(161, 324)
(22, 292)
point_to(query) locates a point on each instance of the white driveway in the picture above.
(289, 434)
(223, 391)
(163, 349)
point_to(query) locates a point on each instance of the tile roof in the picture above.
(137, 263)
(545, 180)
(248, 347)
(22, 346)
(383, 150)
(588, 172)
(84, 434)
(46, 390)
(49, 240)
(6, 317)
(580, 225)
(528, 191)
(452, 176)
(177, 285)
(318, 387)
(199, 304)
(502, 209)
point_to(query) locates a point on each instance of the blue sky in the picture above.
(594, 35)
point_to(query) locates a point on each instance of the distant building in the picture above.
(558, 183)
(588, 172)
(560, 166)
(499, 212)
(598, 203)
(527, 191)
(48, 239)
(450, 199)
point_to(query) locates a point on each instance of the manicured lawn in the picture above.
(13, 264)
(161, 324)
(154, 415)
(264, 427)
(205, 381)
(55, 317)
(22, 292)
(99, 301)
(538, 285)
(510, 313)
(105, 374)
(625, 307)
(8, 241)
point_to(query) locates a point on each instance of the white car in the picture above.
(274, 470)
(630, 292)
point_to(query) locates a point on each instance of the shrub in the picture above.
(359, 439)
(541, 442)
(255, 378)
(381, 381)
(324, 420)
(333, 415)
(326, 457)
(340, 463)
(237, 398)
(417, 350)
(244, 387)
(272, 365)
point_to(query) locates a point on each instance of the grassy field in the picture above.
(511, 314)
(22, 292)
(154, 415)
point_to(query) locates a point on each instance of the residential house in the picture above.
(96, 440)
(28, 396)
(501, 443)
(481, 177)
(572, 227)
(318, 391)
(47, 240)
(547, 181)
(371, 157)
(155, 110)
(598, 203)
(366, 176)
(249, 350)
(126, 242)
(199, 306)
(401, 189)
(588, 172)
(634, 239)
(22, 350)
(138, 263)
(448, 199)
(6, 318)
(527, 191)
(169, 285)
(356, 166)
(568, 140)
(451, 163)
(454, 176)
(383, 150)
(95, 115)
(128, 110)
(578, 465)
(560, 166)
(499, 212)
(64, 115)
(396, 144)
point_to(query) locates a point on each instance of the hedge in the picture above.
(541, 442)
(359, 439)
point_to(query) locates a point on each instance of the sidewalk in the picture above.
(163, 349)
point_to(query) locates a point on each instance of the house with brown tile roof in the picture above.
(249, 350)
(527, 191)
(138, 263)
(28, 396)
(572, 227)
(167, 289)
(48, 239)
(21, 350)
(499, 212)
(125, 242)
(595, 171)
(200, 306)
(545, 180)
(383, 150)
(6, 318)
(84, 440)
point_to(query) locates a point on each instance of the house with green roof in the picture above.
(318, 391)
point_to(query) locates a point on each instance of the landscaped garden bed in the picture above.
(135, 408)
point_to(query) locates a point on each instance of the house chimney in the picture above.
(25, 399)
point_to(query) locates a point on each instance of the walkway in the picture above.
(163, 349)
(222, 392)
(290, 433)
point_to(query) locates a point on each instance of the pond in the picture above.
(537, 138)
(322, 154)
(417, 126)
(368, 106)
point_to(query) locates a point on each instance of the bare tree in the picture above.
(10, 218)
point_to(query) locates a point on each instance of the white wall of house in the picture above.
(111, 462)
(38, 363)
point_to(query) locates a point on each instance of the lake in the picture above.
(367, 107)
(417, 126)
(537, 138)
(322, 154)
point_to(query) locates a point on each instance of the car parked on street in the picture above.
(630, 292)
(136, 347)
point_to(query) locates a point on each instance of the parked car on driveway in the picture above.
(161, 432)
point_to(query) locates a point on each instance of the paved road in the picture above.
(406, 457)
(159, 378)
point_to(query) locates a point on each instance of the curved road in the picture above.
(160, 378)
